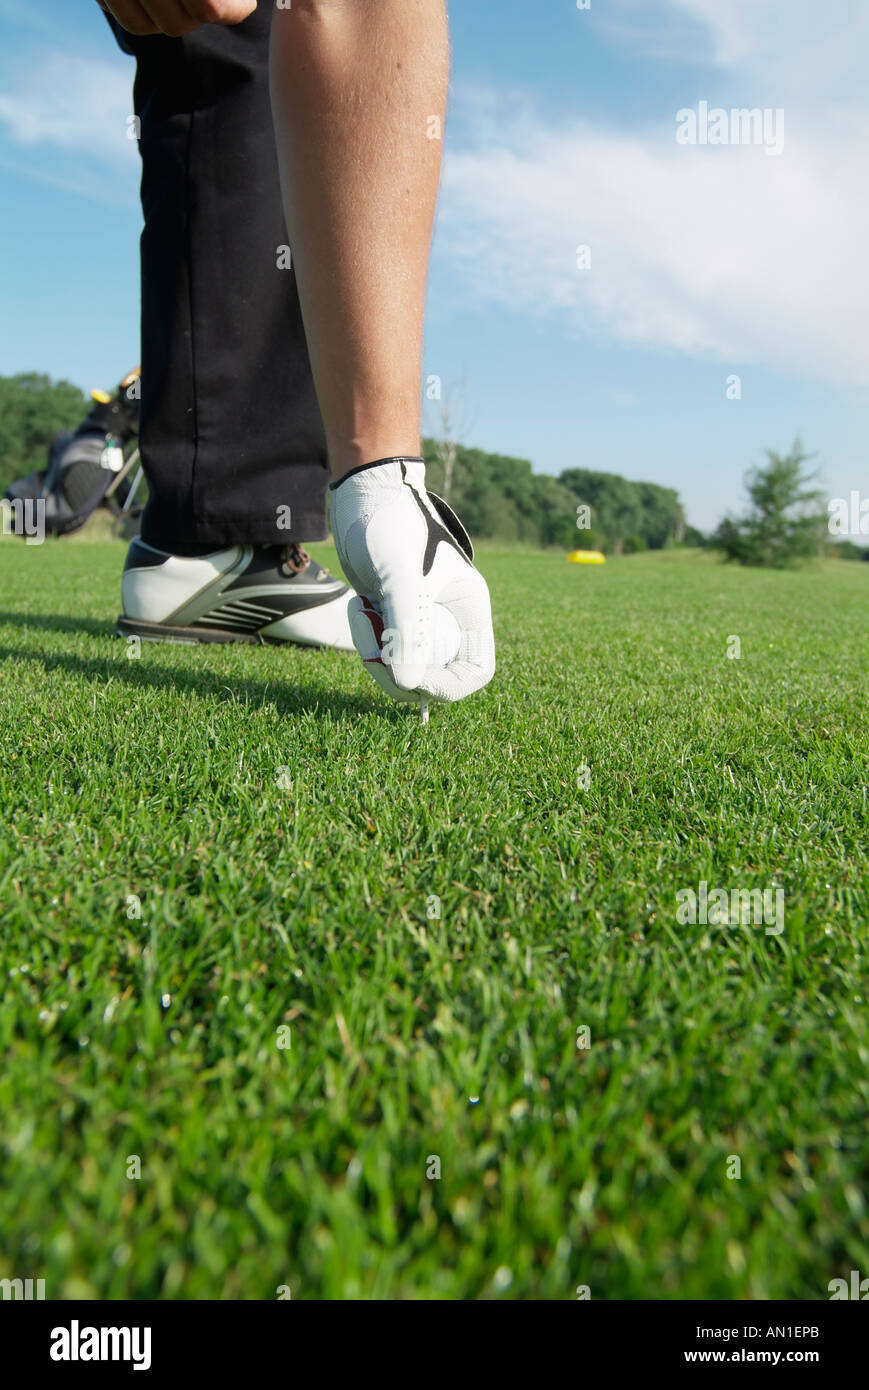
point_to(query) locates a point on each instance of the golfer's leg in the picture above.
(358, 95)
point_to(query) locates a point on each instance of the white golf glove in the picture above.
(422, 621)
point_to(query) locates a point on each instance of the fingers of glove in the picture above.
(384, 679)
(366, 628)
(408, 628)
(461, 661)
(378, 644)
(474, 664)
(449, 684)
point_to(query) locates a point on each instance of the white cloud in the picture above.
(802, 47)
(718, 250)
(81, 105)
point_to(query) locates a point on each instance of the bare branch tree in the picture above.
(452, 421)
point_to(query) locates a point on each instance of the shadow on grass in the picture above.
(287, 697)
(57, 622)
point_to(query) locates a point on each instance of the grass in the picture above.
(203, 846)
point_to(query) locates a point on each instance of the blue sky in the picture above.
(706, 261)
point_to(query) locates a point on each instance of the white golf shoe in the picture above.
(245, 593)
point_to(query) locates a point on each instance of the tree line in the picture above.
(498, 497)
(501, 498)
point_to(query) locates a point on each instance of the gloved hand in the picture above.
(408, 557)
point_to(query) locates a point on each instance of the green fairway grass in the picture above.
(202, 846)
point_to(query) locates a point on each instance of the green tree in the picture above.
(662, 516)
(634, 545)
(616, 504)
(33, 408)
(590, 539)
(501, 498)
(494, 494)
(847, 550)
(555, 511)
(784, 522)
(692, 537)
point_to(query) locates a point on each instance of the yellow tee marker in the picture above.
(586, 557)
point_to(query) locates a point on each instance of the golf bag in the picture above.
(96, 465)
